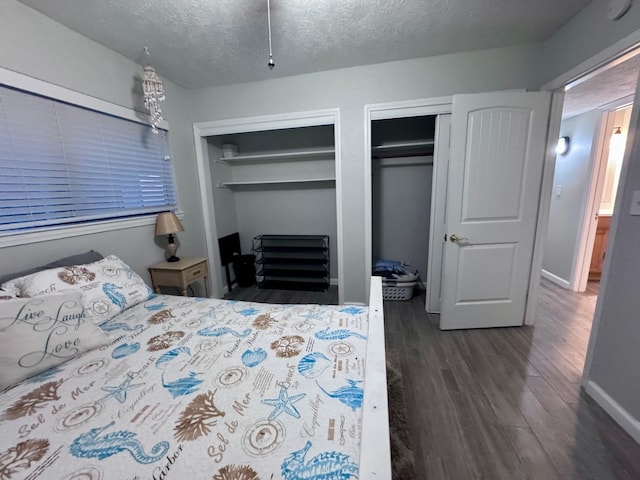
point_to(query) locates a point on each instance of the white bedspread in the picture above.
(198, 389)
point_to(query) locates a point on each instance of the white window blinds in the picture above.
(60, 163)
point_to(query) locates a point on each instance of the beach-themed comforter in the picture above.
(197, 389)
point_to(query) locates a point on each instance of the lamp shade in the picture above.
(168, 223)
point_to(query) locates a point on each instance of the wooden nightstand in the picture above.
(180, 274)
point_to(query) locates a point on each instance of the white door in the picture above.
(498, 145)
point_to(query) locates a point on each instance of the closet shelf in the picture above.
(299, 181)
(420, 147)
(310, 154)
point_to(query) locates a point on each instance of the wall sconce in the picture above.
(563, 145)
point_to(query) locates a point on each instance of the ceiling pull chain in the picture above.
(271, 62)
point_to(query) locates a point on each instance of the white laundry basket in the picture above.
(400, 287)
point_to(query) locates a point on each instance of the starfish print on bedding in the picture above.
(120, 392)
(284, 403)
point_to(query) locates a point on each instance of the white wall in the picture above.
(37, 46)
(615, 361)
(350, 89)
(585, 35)
(572, 175)
(401, 203)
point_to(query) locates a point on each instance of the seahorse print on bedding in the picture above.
(20, 456)
(324, 466)
(339, 334)
(94, 444)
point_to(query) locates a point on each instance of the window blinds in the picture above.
(60, 163)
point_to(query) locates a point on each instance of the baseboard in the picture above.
(556, 279)
(613, 408)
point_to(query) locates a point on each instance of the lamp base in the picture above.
(171, 250)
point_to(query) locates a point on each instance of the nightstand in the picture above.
(180, 274)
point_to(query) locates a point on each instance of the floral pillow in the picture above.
(39, 333)
(109, 286)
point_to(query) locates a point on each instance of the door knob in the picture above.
(453, 238)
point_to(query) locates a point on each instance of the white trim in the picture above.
(589, 224)
(437, 226)
(68, 231)
(622, 417)
(268, 122)
(330, 116)
(375, 447)
(556, 279)
(617, 104)
(382, 111)
(613, 53)
(544, 207)
(631, 151)
(40, 87)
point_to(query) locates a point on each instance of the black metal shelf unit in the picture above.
(292, 262)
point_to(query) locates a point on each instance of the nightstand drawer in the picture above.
(195, 272)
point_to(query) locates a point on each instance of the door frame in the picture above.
(201, 130)
(386, 111)
(580, 274)
(612, 55)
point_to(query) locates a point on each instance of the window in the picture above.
(61, 164)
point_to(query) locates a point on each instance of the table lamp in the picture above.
(168, 223)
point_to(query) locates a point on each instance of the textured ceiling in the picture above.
(611, 84)
(199, 43)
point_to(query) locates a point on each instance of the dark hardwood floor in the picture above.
(506, 403)
(255, 294)
(499, 404)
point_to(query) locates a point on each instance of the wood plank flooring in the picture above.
(506, 403)
(500, 403)
(255, 294)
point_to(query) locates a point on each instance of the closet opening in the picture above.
(276, 189)
(402, 175)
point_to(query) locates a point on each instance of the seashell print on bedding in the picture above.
(76, 274)
(287, 346)
(164, 341)
(236, 472)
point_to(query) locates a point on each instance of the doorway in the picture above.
(595, 121)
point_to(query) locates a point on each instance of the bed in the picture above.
(188, 388)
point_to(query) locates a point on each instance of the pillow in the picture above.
(39, 333)
(79, 259)
(109, 286)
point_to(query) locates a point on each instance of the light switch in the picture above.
(635, 203)
(558, 190)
